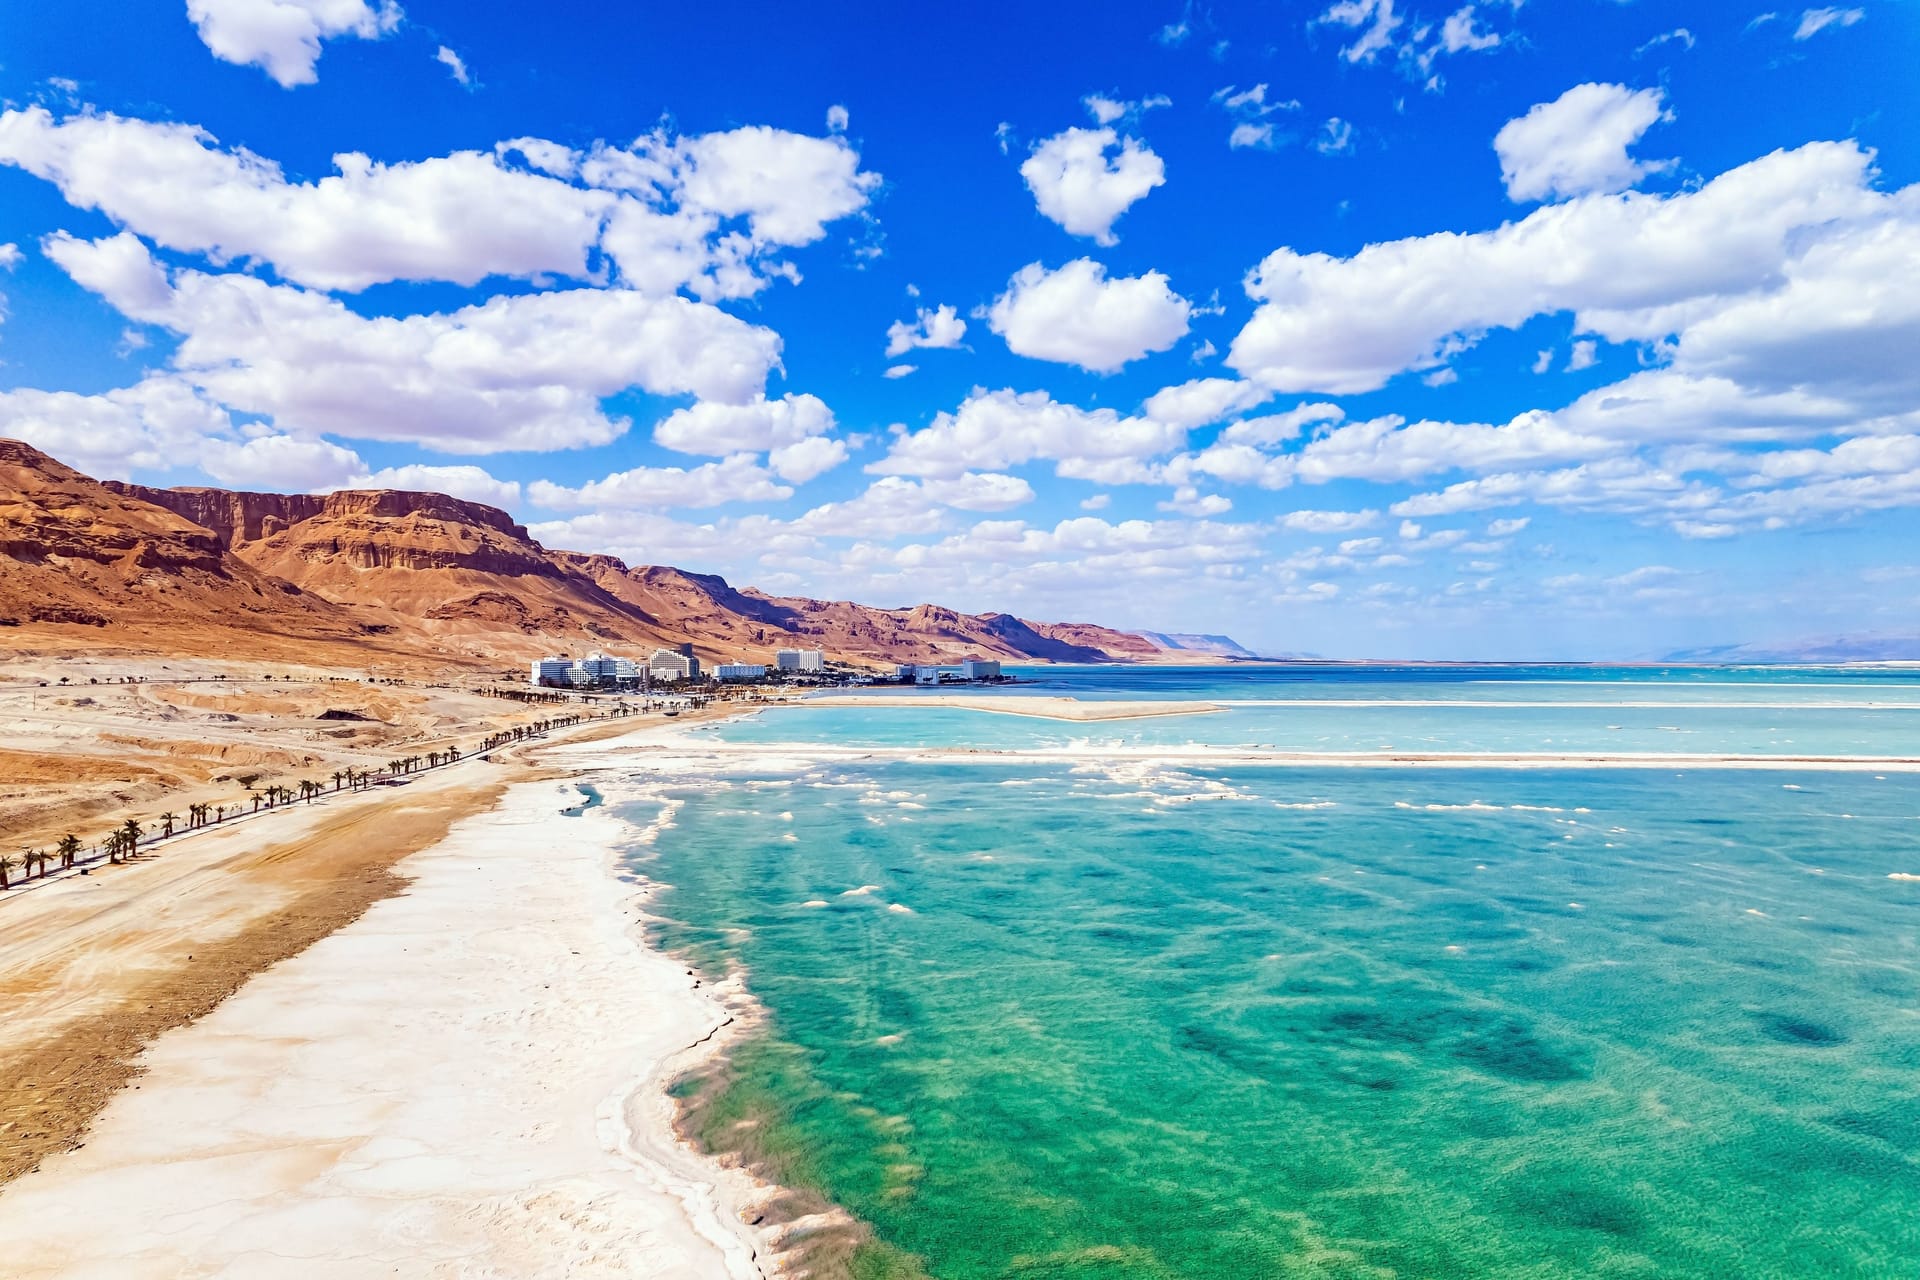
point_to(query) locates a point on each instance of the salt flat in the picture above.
(441, 1088)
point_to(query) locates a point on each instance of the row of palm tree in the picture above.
(122, 843)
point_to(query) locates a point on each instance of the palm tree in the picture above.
(337, 775)
(130, 835)
(69, 849)
(7, 863)
(167, 820)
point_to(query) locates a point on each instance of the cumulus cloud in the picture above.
(894, 505)
(517, 372)
(1076, 184)
(718, 428)
(707, 212)
(1204, 400)
(1076, 315)
(998, 429)
(935, 327)
(277, 463)
(803, 460)
(1306, 521)
(157, 424)
(1631, 267)
(282, 37)
(1578, 143)
(738, 478)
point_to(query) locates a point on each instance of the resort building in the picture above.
(728, 671)
(969, 671)
(673, 665)
(801, 660)
(551, 673)
(980, 669)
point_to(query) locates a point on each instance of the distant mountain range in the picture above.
(1829, 649)
(1187, 643)
(361, 577)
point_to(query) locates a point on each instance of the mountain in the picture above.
(1821, 650)
(1182, 642)
(107, 569)
(421, 577)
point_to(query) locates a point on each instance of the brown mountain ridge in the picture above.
(398, 578)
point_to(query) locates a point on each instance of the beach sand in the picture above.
(466, 1080)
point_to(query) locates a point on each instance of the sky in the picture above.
(1362, 328)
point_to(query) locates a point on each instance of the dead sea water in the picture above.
(1125, 1020)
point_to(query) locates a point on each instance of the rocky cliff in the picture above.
(434, 575)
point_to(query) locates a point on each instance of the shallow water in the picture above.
(1133, 1021)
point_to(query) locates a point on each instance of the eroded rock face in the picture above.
(432, 573)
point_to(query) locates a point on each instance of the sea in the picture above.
(1114, 1009)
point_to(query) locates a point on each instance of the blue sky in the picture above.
(1571, 328)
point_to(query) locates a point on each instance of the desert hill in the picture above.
(419, 576)
(78, 557)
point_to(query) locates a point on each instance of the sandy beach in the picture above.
(466, 1080)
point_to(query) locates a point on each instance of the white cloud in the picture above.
(707, 212)
(837, 119)
(282, 37)
(1630, 267)
(1251, 108)
(1577, 144)
(933, 327)
(1543, 361)
(1376, 17)
(1098, 502)
(1247, 134)
(1507, 528)
(280, 463)
(1459, 34)
(154, 425)
(719, 428)
(456, 65)
(997, 429)
(1105, 108)
(1174, 34)
(1814, 21)
(1329, 521)
(1077, 185)
(1336, 138)
(738, 478)
(1076, 315)
(518, 372)
(1273, 428)
(893, 505)
(9, 256)
(1204, 400)
(1679, 35)
(1189, 501)
(803, 460)
(900, 370)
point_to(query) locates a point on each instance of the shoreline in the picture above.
(296, 1122)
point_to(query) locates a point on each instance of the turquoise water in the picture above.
(1488, 727)
(1119, 1020)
